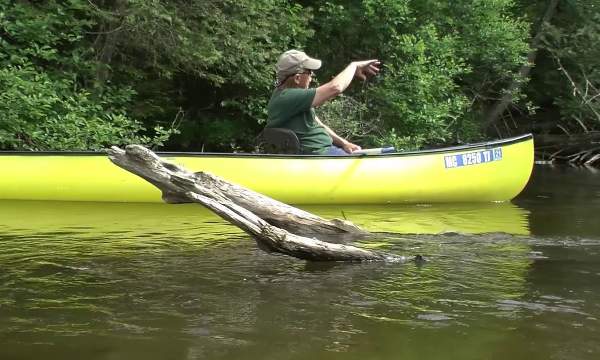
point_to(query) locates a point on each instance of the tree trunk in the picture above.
(254, 213)
(107, 39)
(500, 107)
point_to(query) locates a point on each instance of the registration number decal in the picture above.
(473, 158)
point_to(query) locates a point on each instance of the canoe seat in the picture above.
(279, 141)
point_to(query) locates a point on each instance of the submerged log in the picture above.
(275, 226)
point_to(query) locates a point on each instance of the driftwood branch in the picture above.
(576, 149)
(275, 226)
(585, 98)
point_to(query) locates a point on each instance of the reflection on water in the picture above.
(563, 201)
(193, 222)
(434, 218)
(149, 281)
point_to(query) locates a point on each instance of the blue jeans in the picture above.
(335, 150)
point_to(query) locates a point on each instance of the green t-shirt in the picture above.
(292, 109)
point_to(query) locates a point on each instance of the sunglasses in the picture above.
(305, 72)
(308, 72)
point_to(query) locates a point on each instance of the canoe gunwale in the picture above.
(459, 148)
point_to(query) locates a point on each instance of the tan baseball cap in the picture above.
(293, 62)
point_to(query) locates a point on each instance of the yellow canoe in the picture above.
(484, 172)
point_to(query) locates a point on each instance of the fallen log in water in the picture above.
(574, 149)
(274, 225)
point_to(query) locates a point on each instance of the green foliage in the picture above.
(39, 113)
(573, 81)
(212, 59)
(47, 34)
(399, 142)
(348, 117)
(419, 98)
(443, 62)
(44, 103)
(76, 74)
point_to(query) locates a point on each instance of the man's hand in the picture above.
(366, 69)
(350, 147)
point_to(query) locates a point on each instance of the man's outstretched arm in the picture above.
(359, 69)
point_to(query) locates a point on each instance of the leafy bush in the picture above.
(44, 101)
(350, 120)
(39, 113)
(574, 80)
(439, 73)
(81, 75)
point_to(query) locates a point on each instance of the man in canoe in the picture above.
(292, 104)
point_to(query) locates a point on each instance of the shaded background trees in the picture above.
(182, 75)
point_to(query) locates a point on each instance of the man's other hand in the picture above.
(350, 147)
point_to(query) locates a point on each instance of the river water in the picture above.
(517, 280)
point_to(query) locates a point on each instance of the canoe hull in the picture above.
(495, 171)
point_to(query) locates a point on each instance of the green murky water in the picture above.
(140, 281)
